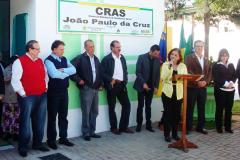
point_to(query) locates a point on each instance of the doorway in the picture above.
(4, 30)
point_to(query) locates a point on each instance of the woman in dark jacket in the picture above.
(224, 76)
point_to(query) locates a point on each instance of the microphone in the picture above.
(171, 62)
(170, 65)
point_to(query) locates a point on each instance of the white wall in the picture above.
(46, 25)
(24, 6)
(46, 33)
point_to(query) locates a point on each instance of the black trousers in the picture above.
(198, 95)
(119, 91)
(224, 101)
(172, 114)
(57, 104)
(147, 97)
(162, 119)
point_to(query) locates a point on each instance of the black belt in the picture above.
(118, 81)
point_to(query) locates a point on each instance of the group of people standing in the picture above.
(41, 89)
(223, 75)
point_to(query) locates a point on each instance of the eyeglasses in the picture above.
(199, 46)
(38, 49)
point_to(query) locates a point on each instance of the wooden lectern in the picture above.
(183, 143)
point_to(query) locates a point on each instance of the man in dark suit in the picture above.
(89, 81)
(197, 91)
(115, 77)
(146, 83)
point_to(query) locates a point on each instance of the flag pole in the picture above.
(182, 38)
(166, 27)
(193, 26)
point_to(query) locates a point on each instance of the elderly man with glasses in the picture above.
(29, 81)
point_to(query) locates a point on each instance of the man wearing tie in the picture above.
(114, 73)
(59, 69)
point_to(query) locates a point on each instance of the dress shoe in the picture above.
(176, 138)
(229, 131)
(23, 153)
(138, 129)
(167, 139)
(116, 132)
(127, 130)
(52, 145)
(87, 138)
(65, 142)
(219, 130)
(203, 131)
(95, 136)
(150, 129)
(41, 148)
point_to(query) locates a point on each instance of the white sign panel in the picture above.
(75, 16)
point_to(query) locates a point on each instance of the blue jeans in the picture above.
(31, 108)
(89, 106)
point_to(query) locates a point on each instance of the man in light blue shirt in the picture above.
(59, 69)
(59, 73)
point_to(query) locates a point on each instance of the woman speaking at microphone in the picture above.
(172, 92)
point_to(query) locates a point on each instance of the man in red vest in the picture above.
(29, 80)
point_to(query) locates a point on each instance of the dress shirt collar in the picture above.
(56, 57)
(89, 55)
(200, 58)
(31, 57)
(115, 57)
(226, 65)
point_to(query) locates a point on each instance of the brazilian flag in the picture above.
(183, 43)
(189, 46)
